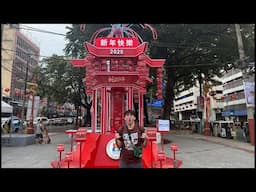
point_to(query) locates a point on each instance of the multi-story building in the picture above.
(187, 103)
(234, 97)
(7, 57)
(20, 56)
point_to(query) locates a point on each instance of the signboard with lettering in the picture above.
(249, 91)
(107, 42)
(163, 126)
(116, 79)
(151, 133)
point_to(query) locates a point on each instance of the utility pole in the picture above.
(2, 32)
(24, 94)
(200, 111)
(250, 110)
(206, 88)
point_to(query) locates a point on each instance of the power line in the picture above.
(171, 45)
(39, 30)
(171, 66)
(196, 65)
(34, 54)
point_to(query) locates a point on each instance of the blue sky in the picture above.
(49, 43)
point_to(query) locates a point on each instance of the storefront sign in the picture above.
(249, 91)
(163, 126)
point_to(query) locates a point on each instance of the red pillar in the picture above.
(207, 128)
(130, 98)
(94, 115)
(251, 123)
(107, 116)
(141, 110)
(30, 129)
(103, 110)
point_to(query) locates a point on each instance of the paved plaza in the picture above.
(196, 151)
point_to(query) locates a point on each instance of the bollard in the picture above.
(71, 132)
(161, 157)
(174, 148)
(69, 157)
(60, 149)
(151, 133)
(80, 137)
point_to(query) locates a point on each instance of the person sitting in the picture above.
(46, 137)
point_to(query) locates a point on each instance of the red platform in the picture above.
(94, 155)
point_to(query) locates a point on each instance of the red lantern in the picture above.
(212, 93)
(27, 91)
(7, 90)
(17, 92)
(233, 97)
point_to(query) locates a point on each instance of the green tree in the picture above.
(192, 50)
(75, 49)
(60, 82)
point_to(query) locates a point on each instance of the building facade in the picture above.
(20, 57)
(234, 96)
(187, 104)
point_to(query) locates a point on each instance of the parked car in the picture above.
(70, 120)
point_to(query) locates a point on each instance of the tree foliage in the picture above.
(59, 81)
(192, 50)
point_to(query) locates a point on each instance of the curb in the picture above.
(228, 145)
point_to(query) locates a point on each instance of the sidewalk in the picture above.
(223, 141)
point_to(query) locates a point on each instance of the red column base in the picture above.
(251, 131)
(207, 131)
(30, 130)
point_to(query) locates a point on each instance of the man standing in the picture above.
(131, 138)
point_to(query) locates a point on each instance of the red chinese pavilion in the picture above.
(117, 72)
